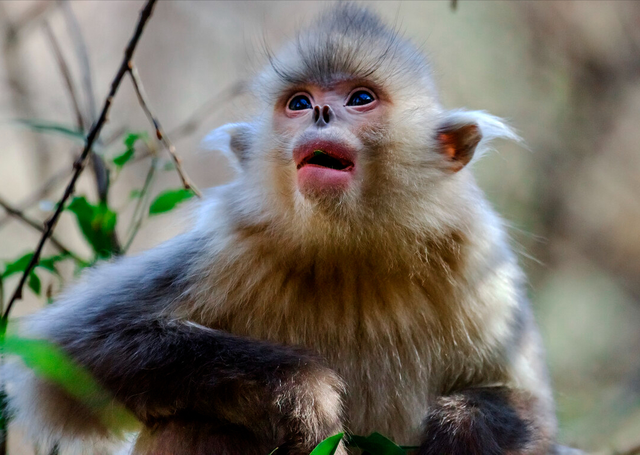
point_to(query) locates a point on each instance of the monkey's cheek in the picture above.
(323, 181)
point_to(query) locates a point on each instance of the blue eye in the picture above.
(360, 98)
(299, 103)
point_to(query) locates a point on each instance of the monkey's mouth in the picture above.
(324, 167)
(322, 158)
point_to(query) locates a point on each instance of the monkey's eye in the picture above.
(299, 103)
(360, 98)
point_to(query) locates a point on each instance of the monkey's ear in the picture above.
(464, 135)
(233, 140)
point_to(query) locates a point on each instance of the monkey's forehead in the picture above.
(347, 42)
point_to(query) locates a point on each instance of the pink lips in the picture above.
(324, 166)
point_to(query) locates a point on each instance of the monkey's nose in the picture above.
(323, 116)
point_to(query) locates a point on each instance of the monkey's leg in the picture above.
(486, 421)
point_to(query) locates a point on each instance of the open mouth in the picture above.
(322, 158)
(324, 167)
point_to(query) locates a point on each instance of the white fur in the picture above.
(220, 140)
(491, 127)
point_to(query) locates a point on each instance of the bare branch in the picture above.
(138, 213)
(27, 19)
(199, 115)
(40, 192)
(16, 213)
(160, 134)
(66, 74)
(100, 170)
(15, 64)
(184, 129)
(82, 55)
(145, 14)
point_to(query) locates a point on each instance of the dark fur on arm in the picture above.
(484, 421)
(170, 372)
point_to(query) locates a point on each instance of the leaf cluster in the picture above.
(98, 221)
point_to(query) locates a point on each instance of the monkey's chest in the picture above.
(386, 342)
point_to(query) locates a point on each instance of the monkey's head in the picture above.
(349, 127)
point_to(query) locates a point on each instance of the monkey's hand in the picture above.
(485, 421)
(220, 385)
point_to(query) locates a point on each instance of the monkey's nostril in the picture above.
(327, 114)
(316, 113)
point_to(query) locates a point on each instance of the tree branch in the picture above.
(40, 193)
(99, 168)
(160, 134)
(82, 55)
(66, 75)
(145, 14)
(16, 213)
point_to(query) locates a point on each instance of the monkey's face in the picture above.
(326, 129)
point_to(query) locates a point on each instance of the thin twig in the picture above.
(82, 55)
(145, 14)
(160, 134)
(27, 19)
(16, 213)
(100, 170)
(138, 213)
(16, 74)
(66, 74)
(184, 129)
(199, 115)
(40, 192)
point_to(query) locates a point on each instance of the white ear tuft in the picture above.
(490, 126)
(233, 140)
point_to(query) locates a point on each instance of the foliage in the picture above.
(98, 222)
(328, 446)
(49, 362)
(168, 200)
(43, 126)
(98, 225)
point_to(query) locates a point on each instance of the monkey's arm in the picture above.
(117, 323)
(515, 417)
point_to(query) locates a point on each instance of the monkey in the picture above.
(351, 278)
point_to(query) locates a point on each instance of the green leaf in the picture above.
(52, 127)
(97, 223)
(17, 266)
(122, 159)
(168, 200)
(49, 362)
(49, 263)
(328, 446)
(129, 143)
(377, 444)
(34, 283)
(132, 138)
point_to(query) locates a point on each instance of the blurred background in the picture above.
(566, 75)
